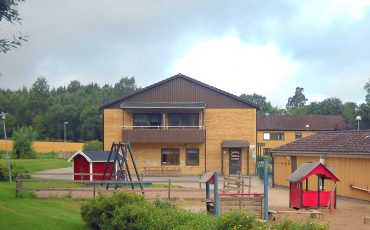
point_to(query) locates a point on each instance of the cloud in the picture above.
(272, 47)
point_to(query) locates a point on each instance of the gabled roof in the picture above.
(299, 122)
(178, 76)
(309, 169)
(348, 142)
(93, 156)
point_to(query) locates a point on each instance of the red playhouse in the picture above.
(301, 197)
(90, 162)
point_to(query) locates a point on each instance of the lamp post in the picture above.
(6, 147)
(65, 134)
(358, 119)
(307, 126)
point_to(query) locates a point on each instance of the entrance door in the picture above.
(235, 161)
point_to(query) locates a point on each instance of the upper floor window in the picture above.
(280, 136)
(266, 136)
(273, 136)
(192, 157)
(147, 119)
(183, 119)
(298, 135)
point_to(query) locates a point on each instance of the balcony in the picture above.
(164, 134)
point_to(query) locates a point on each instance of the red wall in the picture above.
(80, 164)
(98, 167)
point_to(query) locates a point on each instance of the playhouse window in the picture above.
(170, 157)
(192, 157)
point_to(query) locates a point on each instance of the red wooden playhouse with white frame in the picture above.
(88, 163)
(301, 197)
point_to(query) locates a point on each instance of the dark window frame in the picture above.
(189, 161)
(150, 122)
(170, 151)
(181, 119)
(298, 135)
(280, 136)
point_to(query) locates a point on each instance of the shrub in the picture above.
(16, 170)
(94, 145)
(23, 138)
(129, 211)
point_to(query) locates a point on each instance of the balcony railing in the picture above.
(164, 134)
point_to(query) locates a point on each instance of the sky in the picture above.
(263, 47)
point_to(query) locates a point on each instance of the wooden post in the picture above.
(200, 183)
(94, 188)
(169, 188)
(318, 191)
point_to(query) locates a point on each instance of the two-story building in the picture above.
(185, 123)
(277, 130)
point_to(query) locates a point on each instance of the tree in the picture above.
(39, 96)
(349, 111)
(330, 106)
(299, 99)
(367, 89)
(9, 12)
(258, 100)
(125, 86)
(23, 138)
(94, 145)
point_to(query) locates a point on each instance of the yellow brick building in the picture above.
(277, 130)
(181, 122)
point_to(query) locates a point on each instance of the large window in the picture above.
(183, 119)
(192, 157)
(273, 136)
(170, 157)
(147, 119)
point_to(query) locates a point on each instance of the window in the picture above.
(266, 136)
(170, 157)
(280, 136)
(298, 135)
(147, 119)
(266, 151)
(192, 157)
(183, 119)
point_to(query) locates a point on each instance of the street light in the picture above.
(307, 126)
(358, 119)
(6, 147)
(65, 135)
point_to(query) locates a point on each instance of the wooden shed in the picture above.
(299, 194)
(90, 162)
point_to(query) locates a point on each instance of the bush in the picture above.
(130, 211)
(94, 145)
(23, 138)
(16, 170)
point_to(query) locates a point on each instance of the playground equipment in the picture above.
(250, 202)
(300, 197)
(120, 171)
(237, 183)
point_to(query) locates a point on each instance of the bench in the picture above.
(161, 170)
(314, 214)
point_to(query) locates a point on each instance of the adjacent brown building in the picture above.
(346, 152)
(183, 123)
(276, 130)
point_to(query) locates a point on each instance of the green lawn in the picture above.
(34, 213)
(35, 165)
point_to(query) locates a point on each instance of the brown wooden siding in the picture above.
(182, 90)
(164, 135)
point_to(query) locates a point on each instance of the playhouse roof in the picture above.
(309, 169)
(93, 156)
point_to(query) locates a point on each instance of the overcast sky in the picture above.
(264, 47)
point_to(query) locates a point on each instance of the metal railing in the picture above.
(130, 127)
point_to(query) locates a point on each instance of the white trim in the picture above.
(82, 154)
(91, 171)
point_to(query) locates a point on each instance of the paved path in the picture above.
(55, 171)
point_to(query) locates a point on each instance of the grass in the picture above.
(35, 165)
(34, 213)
